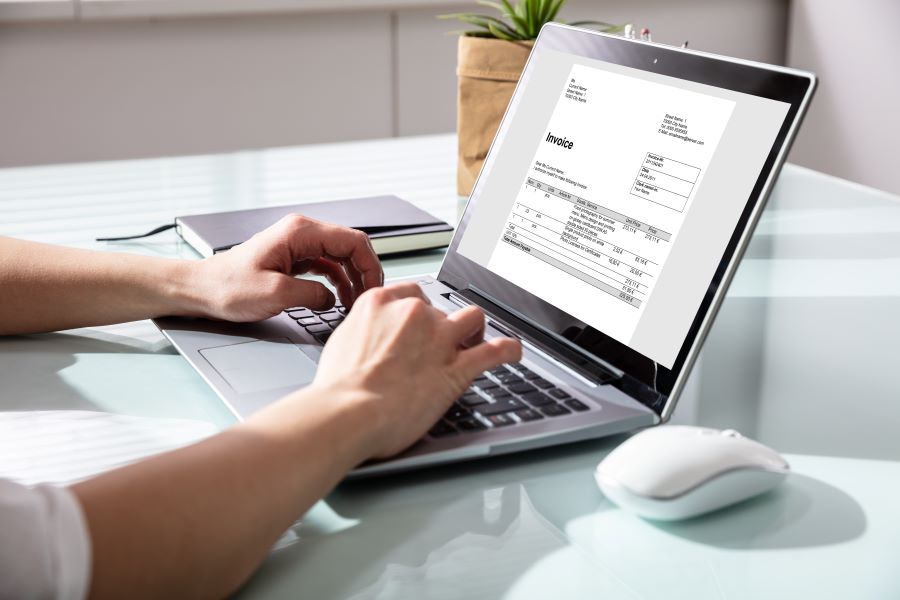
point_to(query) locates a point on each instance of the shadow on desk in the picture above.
(31, 366)
(804, 512)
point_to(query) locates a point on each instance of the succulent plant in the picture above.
(520, 21)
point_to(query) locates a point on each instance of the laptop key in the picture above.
(577, 405)
(468, 425)
(473, 400)
(525, 371)
(542, 383)
(456, 413)
(529, 415)
(486, 385)
(318, 328)
(501, 420)
(502, 405)
(521, 388)
(497, 393)
(538, 399)
(298, 310)
(558, 393)
(331, 316)
(442, 429)
(555, 410)
(508, 378)
(310, 320)
(322, 337)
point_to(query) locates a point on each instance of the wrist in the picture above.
(185, 289)
(342, 416)
(355, 413)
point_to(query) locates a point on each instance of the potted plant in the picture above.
(490, 60)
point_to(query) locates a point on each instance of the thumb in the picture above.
(303, 292)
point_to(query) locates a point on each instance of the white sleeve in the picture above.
(45, 549)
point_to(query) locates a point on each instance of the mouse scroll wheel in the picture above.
(731, 433)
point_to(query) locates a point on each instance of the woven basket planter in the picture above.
(488, 70)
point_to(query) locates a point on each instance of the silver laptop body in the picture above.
(602, 384)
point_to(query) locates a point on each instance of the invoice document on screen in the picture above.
(606, 194)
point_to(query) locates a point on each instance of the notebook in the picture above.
(394, 225)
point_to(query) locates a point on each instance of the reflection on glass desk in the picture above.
(802, 357)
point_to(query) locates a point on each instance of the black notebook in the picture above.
(394, 225)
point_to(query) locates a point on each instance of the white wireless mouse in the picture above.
(676, 472)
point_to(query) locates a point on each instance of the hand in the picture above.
(255, 280)
(406, 362)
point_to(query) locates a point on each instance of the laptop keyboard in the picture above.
(319, 323)
(508, 395)
(505, 396)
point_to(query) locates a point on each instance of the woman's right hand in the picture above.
(405, 362)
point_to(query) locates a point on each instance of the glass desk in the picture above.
(801, 357)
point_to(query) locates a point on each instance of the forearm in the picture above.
(197, 521)
(48, 288)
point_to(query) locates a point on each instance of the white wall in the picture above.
(120, 89)
(95, 87)
(853, 126)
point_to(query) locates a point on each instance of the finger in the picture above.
(398, 291)
(492, 353)
(466, 326)
(353, 276)
(302, 266)
(334, 271)
(303, 292)
(308, 238)
(337, 276)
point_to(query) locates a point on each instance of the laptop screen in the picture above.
(614, 188)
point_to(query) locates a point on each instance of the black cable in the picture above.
(159, 229)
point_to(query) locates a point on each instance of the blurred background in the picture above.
(84, 80)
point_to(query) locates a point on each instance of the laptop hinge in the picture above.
(588, 368)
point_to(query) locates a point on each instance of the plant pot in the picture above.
(488, 70)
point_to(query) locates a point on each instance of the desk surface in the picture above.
(802, 357)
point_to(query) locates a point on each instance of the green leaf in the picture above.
(522, 13)
(529, 16)
(521, 24)
(504, 26)
(554, 9)
(506, 8)
(500, 34)
(495, 5)
(539, 9)
(545, 10)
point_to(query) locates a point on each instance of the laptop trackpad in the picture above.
(257, 366)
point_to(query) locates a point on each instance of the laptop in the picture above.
(609, 216)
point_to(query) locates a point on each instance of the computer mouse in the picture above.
(677, 472)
